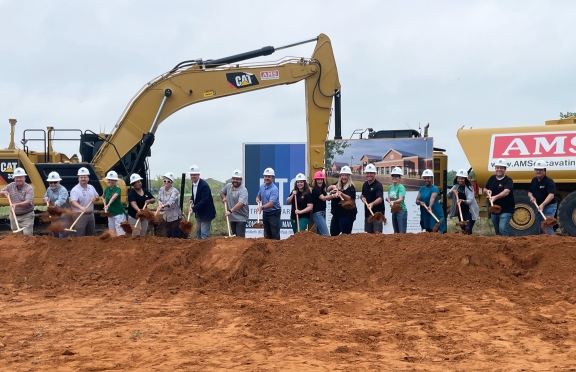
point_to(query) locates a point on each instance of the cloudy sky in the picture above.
(76, 64)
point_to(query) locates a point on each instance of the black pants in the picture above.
(341, 225)
(173, 229)
(271, 221)
(238, 229)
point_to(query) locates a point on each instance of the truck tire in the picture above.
(567, 214)
(523, 221)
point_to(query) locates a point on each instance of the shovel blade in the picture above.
(371, 218)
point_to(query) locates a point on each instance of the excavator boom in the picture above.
(192, 82)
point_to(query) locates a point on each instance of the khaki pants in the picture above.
(142, 226)
(25, 221)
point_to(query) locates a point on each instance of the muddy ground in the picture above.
(353, 303)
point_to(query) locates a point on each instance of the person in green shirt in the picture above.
(396, 195)
(113, 205)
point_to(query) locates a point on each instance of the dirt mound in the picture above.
(304, 262)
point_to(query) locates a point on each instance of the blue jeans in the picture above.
(501, 222)
(203, 229)
(549, 211)
(319, 219)
(400, 222)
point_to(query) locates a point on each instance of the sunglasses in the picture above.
(52, 183)
(167, 181)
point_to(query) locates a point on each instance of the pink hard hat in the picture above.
(319, 176)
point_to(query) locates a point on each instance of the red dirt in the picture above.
(54, 211)
(360, 302)
(186, 227)
(145, 214)
(55, 227)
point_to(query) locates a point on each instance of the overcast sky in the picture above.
(76, 64)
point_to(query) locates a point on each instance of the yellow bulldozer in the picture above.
(521, 147)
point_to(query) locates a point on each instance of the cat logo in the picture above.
(241, 80)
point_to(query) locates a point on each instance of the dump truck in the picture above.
(554, 142)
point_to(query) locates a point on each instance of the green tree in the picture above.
(451, 176)
(333, 148)
(567, 114)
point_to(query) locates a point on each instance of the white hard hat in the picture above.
(83, 172)
(269, 172)
(370, 168)
(427, 173)
(194, 169)
(501, 163)
(540, 164)
(19, 172)
(112, 176)
(53, 177)
(135, 177)
(236, 173)
(462, 173)
(170, 176)
(345, 170)
(397, 172)
(300, 177)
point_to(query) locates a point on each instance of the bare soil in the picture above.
(425, 302)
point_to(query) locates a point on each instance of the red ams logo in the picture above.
(533, 145)
(270, 75)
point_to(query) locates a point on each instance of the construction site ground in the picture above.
(425, 302)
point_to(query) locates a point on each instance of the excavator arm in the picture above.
(193, 82)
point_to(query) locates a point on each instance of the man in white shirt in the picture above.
(82, 198)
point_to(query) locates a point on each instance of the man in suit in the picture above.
(201, 203)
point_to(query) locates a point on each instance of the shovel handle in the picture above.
(367, 206)
(432, 214)
(13, 212)
(459, 208)
(158, 208)
(259, 206)
(81, 214)
(542, 213)
(227, 220)
(296, 210)
(189, 212)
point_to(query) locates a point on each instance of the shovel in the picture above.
(185, 225)
(347, 204)
(378, 216)
(71, 229)
(496, 209)
(258, 224)
(313, 228)
(548, 221)
(228, 221)
(462, 222)
(18, 228)
(395, 208)
(438, 222)
(296, 210)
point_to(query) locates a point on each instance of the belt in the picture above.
(23, 214)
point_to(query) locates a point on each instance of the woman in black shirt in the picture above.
(138, 198)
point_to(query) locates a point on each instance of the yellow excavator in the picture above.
(126, 148)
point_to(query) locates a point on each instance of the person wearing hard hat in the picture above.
(138, 198)
(500, 191)
(542, 191)
(427, 197)
(300, 199)
(22, 199)
(373, 195)
(202, 203)
(319, 198)
(342, 218)
(268, 199)
(168, 201)
(57, 195)
(113, 205)
(463, 193)
(396, 196)
(82, 198)
(235, 197)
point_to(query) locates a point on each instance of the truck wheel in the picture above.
(523, 221)
(567, 214)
